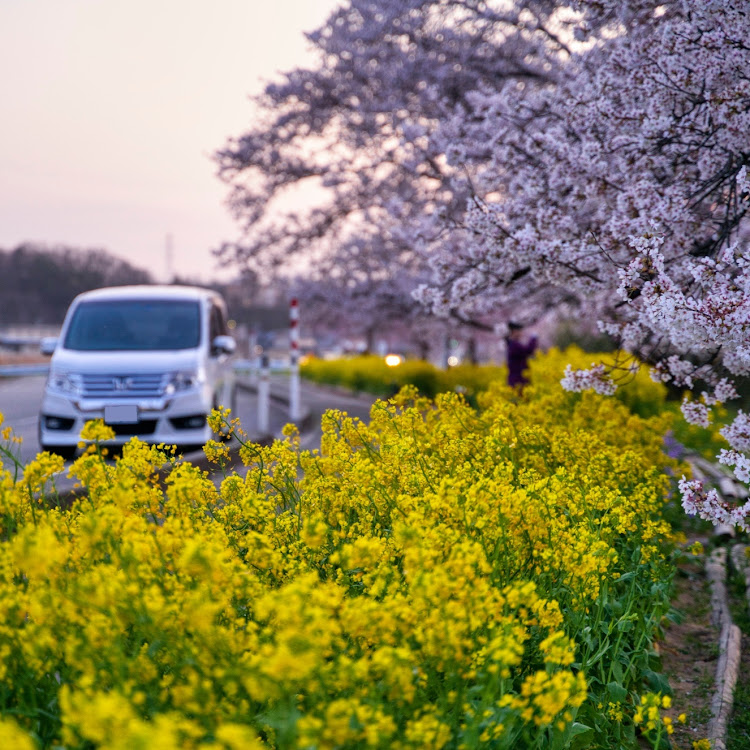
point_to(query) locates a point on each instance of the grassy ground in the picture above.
(738, 735)
(689, 653)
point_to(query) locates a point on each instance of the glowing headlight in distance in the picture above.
(182, 381)
(65, 382)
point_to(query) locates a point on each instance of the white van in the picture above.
(152, 361)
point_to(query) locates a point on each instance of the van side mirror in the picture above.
(48, 345)
(223, 345)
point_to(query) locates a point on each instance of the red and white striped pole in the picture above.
(294, 400)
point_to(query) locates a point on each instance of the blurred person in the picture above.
(518, 352)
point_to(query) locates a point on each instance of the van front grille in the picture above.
(141, 386)
(144, 427)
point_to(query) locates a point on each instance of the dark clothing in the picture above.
(518, 356)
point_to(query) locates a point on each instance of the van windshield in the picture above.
(134, 325)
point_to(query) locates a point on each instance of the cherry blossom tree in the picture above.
(341, 179)
(517, 156)
(628, 192)
(355, 293)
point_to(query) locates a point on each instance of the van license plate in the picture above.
(121, 414)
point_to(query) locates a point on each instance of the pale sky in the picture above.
(111, 110)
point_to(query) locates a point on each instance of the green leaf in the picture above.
(617, 692)
(581, 736)
(617, 671)
(625, 626)
(570, 737)
(577, 728)
(657, 682)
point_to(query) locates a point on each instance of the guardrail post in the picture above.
(294, 399)
(264, 395)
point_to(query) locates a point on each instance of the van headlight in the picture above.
(70, 383)
(183, 381)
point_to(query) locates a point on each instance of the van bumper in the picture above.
(180, 420)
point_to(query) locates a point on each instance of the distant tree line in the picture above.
(37, 283)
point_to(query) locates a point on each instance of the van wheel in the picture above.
(68, 452)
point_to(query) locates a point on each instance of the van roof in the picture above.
(148, 291)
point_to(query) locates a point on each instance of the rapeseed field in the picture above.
(493, 574)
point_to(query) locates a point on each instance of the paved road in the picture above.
(318, 400)
(19, 404)
(20, 399)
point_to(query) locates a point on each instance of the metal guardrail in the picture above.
(252, 367)
(15, 371)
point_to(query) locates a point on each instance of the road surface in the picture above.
(20, 399)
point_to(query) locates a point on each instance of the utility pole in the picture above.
(169, 257)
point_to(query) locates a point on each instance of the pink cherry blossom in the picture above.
(479, 161)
